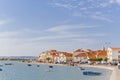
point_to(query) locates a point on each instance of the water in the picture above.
(20, 71)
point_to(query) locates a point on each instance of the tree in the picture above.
(106, 59)
(48, 59)
(97, 59)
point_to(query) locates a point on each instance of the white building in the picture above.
(113, 54)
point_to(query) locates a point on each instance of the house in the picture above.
(84, 55)
(42, 57)
(102, 54)
(113, 54)
(78, 55)
(63, 57)
(55, 56)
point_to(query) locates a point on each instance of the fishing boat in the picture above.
(0, 69)
(8, 64)
(29, 65)
(81, 68)
(91, 73)
(50, 66)
(38, 65)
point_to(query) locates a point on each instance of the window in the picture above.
(118, 56)
(118, 51)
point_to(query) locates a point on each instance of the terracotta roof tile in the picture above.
(102, 53)
(91, 56)
(82, 55)
(78, 50)
(115, 48)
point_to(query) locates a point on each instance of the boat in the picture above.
(91, 73)
(50, 66)
(0, 69)
(38, 65)
(8, 64)
(81, 68)
(1, 65)
(29, 65)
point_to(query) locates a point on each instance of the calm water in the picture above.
(20, 71)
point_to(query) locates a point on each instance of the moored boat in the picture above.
(91, 73)
(50, 66)
(0, 69)
(81, 68)
(8, 64)
(29, 65)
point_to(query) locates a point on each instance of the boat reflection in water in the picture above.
(50, 69)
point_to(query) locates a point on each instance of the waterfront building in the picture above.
(113, 54)
(83, 55)
(102, 54)
(55, 56)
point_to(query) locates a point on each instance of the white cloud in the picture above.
(98, 35)
(80, 8)
(5, 21)
(114, 1)
(54, 37)
(2, 22)
(11, 42)
(68, 27)
(101, 18)
(8, 34)
(67, 6)
(118, 1)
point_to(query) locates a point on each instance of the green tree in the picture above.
(106, 59)
(48, 59)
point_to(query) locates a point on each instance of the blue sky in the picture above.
(28, 27)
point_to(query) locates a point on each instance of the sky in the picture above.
(29, 27)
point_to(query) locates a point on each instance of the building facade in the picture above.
(113, 54)
(55, 56)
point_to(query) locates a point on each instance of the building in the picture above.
(84, 55)
(102, 54)
(55, 56)
(113, 54)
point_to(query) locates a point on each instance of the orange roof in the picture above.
(78, 50)
(53, 52)
(88, 50)
(91, 56)
(68, 54)
(82, 55)
(102, 53)
(115, 48)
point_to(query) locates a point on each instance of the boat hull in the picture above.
(91, 73)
